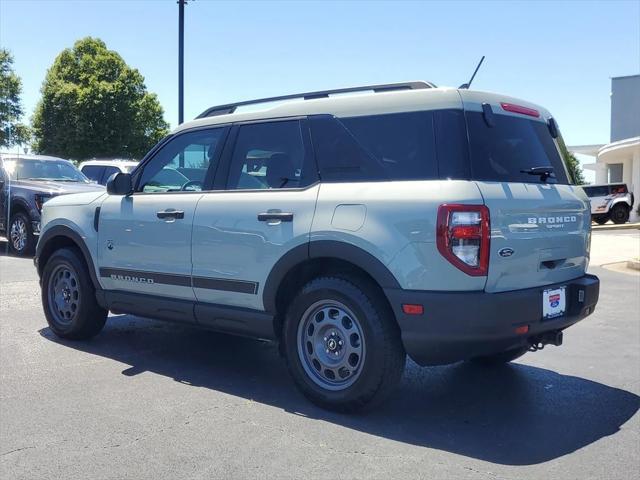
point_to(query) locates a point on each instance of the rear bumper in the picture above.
(461, 325)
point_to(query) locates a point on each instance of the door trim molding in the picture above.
(208, 283)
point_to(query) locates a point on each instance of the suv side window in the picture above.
(182, 163)
(601, 191)
(269, 155)
(93, 172)
(397, 146)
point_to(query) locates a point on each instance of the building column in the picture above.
(635, 185)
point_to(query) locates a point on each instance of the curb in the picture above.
(624, 226)
(634, 264)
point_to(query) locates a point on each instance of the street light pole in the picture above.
(181, 4)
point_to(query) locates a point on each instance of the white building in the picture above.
(619, 161)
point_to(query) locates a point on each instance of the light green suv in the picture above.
(352, 228)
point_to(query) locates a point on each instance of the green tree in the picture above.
(12, 132)
(94, 105)
(572, 163)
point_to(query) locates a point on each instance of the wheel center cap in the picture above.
(332, 345)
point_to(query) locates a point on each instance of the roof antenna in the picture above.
(468, 84)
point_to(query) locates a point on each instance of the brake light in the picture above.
(510, 107)
(463, 237)
(412, 309)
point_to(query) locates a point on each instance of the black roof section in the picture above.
(386, 87)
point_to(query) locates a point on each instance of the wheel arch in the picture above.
(61, 236)
(19, 204)
(307, 261)
(616, 201)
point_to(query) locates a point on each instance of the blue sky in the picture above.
(558, 54)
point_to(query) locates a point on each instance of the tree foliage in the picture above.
(94, 105)
(12, 132)
(572, 163)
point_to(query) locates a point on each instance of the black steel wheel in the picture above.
(620, 213)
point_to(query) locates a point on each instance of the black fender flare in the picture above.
(19, 202)
(325, 249)
(63, 231)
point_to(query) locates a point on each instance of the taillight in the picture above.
(463, 237)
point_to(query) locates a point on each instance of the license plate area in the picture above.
(554, 302)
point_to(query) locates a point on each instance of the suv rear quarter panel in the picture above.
(396, 223)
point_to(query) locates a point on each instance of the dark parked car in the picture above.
(26, 182)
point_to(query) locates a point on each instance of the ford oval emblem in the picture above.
(506, 252)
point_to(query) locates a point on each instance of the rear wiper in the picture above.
(542, 172)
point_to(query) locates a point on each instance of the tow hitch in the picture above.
(548, 338)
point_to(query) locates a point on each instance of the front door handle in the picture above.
(170, 213)
(282, 216)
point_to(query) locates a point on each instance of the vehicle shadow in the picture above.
(5, 252)
(511, 415)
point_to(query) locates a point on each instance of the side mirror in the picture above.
(119, 184)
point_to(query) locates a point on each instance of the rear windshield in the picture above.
(512, 145)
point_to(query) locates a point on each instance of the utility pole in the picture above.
(181, 4)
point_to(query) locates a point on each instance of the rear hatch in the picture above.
(540, 227)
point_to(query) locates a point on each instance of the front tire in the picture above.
(68, 297)
(342, 344)
(620, 213)
(21, 239)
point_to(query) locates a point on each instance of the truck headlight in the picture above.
(40, 199)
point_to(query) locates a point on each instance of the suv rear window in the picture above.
(499, 153)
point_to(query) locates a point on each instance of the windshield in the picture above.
(58, 170)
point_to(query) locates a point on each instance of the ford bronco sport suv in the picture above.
(353, 229)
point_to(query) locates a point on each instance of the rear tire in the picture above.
(342, 344)
(620, 213)
(68, 297)
(500, 358)
(21, 239)
(601, 219)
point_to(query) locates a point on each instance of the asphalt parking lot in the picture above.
(152, 400)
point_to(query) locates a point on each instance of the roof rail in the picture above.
(386, 87)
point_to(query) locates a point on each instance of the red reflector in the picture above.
(467, 231)
(522, 329)
(510, 107)
(412, 309)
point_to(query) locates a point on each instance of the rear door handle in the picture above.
(170, 213)
(282, 216)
